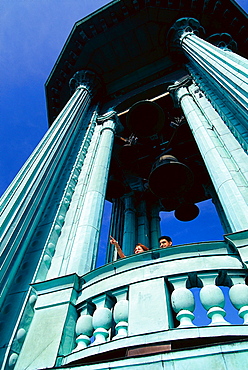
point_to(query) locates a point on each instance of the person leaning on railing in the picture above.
(139, 248)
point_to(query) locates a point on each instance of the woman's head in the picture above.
(139, 248)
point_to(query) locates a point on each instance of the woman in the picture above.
(139, 248)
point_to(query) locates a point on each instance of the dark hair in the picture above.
(168, 238)
(142, 246)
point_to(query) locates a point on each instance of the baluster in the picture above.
(238, 294)
(84, 327)
(102, 318)
(121, 313)
(213, 300)
(183, 303)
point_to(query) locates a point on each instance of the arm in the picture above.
(118, 248)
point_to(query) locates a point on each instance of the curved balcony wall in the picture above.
(144, 304)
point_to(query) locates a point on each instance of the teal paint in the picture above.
(230, 185)
(52, 216)
(129, 232)
(84, 252)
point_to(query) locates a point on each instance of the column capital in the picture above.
(179, 30)
(106, 116)
(86, 79)
(223, 41)
(185, 82)
(111, 115)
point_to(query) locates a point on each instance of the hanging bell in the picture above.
(187, 212)
(169, 204)
(145, 118)
(170, 178)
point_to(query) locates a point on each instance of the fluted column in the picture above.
(84, 250)
(27, 198)
(218, 70)
(142, 224)
(129, 234)
(224, 157)
(155, 230)
(116, 228)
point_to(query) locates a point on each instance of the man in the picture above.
(165, 241)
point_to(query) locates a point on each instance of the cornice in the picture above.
(106, 26)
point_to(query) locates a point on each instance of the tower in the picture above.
(142, 91)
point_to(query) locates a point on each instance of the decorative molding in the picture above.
(223, 41)
(85, 79)
(111, 115)
(108, 115)
(184, 82)
(179, 30)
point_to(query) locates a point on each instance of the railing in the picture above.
(97, 317)
(149, 298)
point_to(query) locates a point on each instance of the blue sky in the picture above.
(32, 34)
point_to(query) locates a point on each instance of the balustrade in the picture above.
(97, 317)
(102, 318)
(239, 298)
(211, 298)
(153, 298)
(183, 304)
(84, 326)
(105, 317)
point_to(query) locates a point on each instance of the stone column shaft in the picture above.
(220, 73)
(116, 228)
(155, 230)
(73, 197)
(143, 225)
(230, 75)
(27, 197)
(84, 250)
(229, 183)
(129, 234)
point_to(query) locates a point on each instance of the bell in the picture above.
(187, 212)
(169, 204)
(170, 178)
(145, 118)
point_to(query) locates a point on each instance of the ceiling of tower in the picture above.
(124, 43)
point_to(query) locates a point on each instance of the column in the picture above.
(143, 231)
(209, 189)
(225, 71)
(73, 199)
(224, 158)
(85, 245)
(155, 230)
(24, 202)
(129, 233)
(34, 207)
(116, 228)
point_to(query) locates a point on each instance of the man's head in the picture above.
(164, 241)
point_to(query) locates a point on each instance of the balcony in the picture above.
(149, 303)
